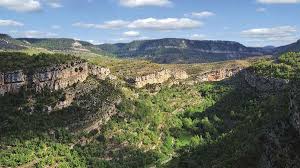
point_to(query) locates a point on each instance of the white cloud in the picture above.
(278, 1)
(275, 34)
(138, 3)
(114, 24)
(29, 5)
(165, 24)
(10, 23)
(55, 27)
(95, 42)
(21, 5)
(128, 39)
(85, 25)
(148, 23)
(35, 34)
(202, 14)
(198, 37)
(261, 10)
(53, 3)
(131, 34)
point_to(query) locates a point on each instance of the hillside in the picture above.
(162, 51)
(183, 50)
(294, 47)
(61, 44)
(67, 113)
(9, 43)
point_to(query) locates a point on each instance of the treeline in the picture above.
(16, 60)
(287, 66)
(52, 44)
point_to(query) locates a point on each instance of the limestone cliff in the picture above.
(218, 75)
(158, 77)
(53, 78)
(165, 75)
(99, 72)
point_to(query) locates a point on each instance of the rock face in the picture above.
(12, 82)
(265, 83)
(99, 72)
(218, 75)
(60, 77)
(53, 78)
(158, 77)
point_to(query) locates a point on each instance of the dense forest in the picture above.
(18, 60)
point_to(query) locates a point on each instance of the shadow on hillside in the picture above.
(234, 138)
(27, 112)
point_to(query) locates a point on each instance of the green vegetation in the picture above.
(51, 44)
(8, 43)
(29, 135)
(16, 60)
(217, 124)
(287, 66)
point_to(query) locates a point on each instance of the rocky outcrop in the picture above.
(157, 78)
(59, 77)
(12, 82)
(264, 84)
(218, 75)
(99, 72)
(52, 78)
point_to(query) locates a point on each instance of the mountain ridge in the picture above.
(165, 50)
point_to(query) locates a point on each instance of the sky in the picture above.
(250, 22)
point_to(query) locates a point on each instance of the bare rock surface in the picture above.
(53, 78)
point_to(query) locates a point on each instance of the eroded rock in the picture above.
(158, 77)
(218, 75)
(53, 78)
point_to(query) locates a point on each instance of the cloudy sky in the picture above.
(251, 22)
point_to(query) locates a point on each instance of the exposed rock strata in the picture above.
(53, 78)
(165, 75)
(218, 75)
(158, 77)
(99, 72)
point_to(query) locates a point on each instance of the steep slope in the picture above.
(8, 43)
(294, 47)
(210, 123)
(183, 50)
(61, 44)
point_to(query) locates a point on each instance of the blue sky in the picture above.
(251, 22)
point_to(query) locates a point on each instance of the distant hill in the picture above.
(184, 51)
(294, 47)
(61, 44)
(9, 43)
(169, 50)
